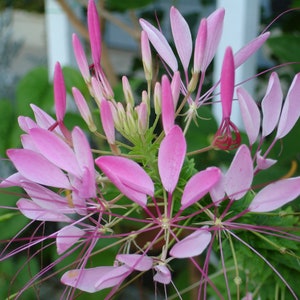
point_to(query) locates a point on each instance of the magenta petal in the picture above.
(199, 185)
(67, 237)
(192, 245)
(113, 277)
(227, 83)
(128, 176)
(35, 167)
(238, 178)
(55, 150)
(94, 32)
(244, 53)
(167, 106)
(85, 279)
(250, 114)
(136, 261)
(163, 274)
(171, 155)
(291, 109)
(60, 96)
(275, 195)
(271, 105)
(160, 44)
(35, 212)
(182, 37)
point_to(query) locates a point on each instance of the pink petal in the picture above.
(271, 105)
(35, 167)
(146, 55)
(33, 211)
(160, 44)
(192, 245)
(171, 155)
(264, 163)
(107, 121)
(244, 53)
(67, 237)
(250, 114)
(15, 179)
(275, 195)
(43, 120)
(200, 45)
(94, 32)
(175, 88)
(199, 185)
(163, 274)
(238, 178)
(55, 150)
(227, 83)
(46, 198)
(291, 109)
(214, 32)
(81, 58)
(136, 261)
(86, 279)
(112, 278)
(128, 176)
(26, 123)
(217, 192)
(167, 109)
(182, 37)
(60, 96)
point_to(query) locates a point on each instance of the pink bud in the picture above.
(146, 55)
(168, 111)
(59, 93)
(107, 121)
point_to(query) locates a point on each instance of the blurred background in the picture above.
(34, 34)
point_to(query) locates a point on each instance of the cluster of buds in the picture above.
(145, 195)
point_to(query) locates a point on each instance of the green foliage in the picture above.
(125, 5)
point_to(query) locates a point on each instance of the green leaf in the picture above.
(125, 5)
(286, 49)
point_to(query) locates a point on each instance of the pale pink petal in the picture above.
(214, 32)
(291, 109)
(271, 105)
(128, 176)
(107, 121)
(227, 83)
(182, 37)
(33, 211)
(94, 32)
(171, 155)
(46, 198)
(55, 150)
(146, 55)
(238, 178)
(200, 184)
(175, 87)
(81, 58)
(217, 192)
(248, 296)
(250, 114)
(60, 96)
(160, 44)
(167, 108)
(26, 123)
(27, 142)
(35, 167)
(163, 274)
(67, 237)
(192, 245)
(84, 109)
(244, 53)
(275, 195)
(200, 45)
(86, 279)
(15, 179)
(137, 262)
(112, 278)
(264, 163)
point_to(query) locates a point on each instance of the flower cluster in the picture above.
(142, 192)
